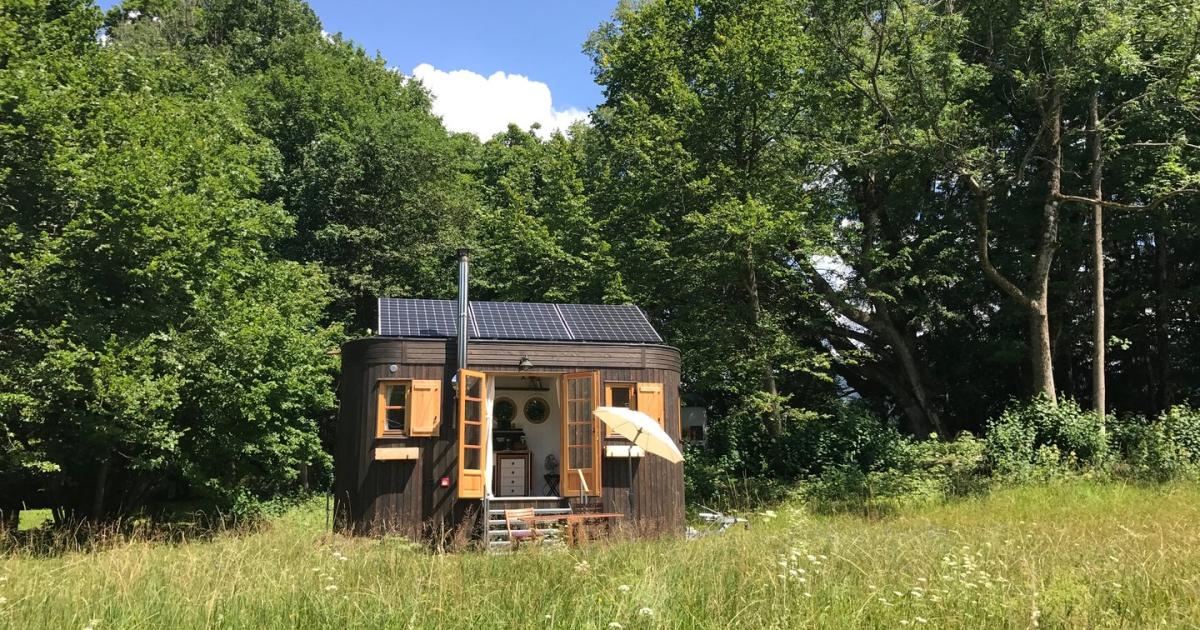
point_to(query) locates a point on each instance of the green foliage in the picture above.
(1167, 447)
(1039, 434)
(152, 335)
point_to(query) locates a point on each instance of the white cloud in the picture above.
(484, 106)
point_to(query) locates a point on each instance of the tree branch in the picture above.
(1115, 205)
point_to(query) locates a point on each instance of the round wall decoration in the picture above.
(504, 411)
(537, 410)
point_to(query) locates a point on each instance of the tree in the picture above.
(704, 184)
(144, 306)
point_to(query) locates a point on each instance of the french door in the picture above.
(580, 434)
(472, 433)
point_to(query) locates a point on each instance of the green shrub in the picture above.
(1041, 438)
(1162, 449)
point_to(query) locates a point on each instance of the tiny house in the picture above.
(455, 410)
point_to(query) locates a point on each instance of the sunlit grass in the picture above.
(1076, 555)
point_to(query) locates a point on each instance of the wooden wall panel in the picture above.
(405, 495)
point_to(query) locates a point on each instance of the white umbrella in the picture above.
(642, 430)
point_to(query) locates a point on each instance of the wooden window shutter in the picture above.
(425, 414)
(650, 402)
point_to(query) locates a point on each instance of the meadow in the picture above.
(1068, 555)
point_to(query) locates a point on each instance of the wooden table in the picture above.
(576, 530)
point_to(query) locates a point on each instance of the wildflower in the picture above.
(1116, 584)
(315, 569)
(331, 587)
(92, 624)
(812, 558)
(548, 617)
(897, 593)
(922, 580)
(613, 624)
(782, 563)
(3, 601)
(769, 514)
(801, 580)
(582, 566)
(870, 587)
(904, 622)
(646, 612)
(807, 594)
(922, 620)
(793, 573)
(624, 588)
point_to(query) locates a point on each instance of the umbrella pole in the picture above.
(629, 467)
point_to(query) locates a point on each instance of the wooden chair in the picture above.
(526, 517)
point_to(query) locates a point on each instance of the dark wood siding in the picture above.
(406, 496)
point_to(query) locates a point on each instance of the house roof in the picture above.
(532, 321)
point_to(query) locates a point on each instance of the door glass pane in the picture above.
(395, 419)
(471, 459)
(474, 411)
(474, 387)
(473, 435)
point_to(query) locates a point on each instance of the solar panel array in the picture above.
(608, 322)
(517, 320)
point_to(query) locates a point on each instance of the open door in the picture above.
(472, 448)
(580, 434)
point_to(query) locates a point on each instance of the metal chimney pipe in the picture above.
(464, 268)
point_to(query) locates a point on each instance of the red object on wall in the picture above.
(445, 482)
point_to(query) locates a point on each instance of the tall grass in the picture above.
(1074, 555)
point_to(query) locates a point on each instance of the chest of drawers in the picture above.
(512, 473)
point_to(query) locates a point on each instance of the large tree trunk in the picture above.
(775, 424)
(1035, 298)
(98, 494)
(1098, 333)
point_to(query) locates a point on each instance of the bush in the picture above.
(1041, 437)
(1162, 449)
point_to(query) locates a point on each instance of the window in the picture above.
(619, 395)
(393, 408)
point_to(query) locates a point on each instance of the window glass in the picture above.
(393, 406)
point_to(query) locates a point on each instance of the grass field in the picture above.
(1076, 555)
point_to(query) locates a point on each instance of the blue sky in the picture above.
(487, 63)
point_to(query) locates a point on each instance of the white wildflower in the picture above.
(807, 594)
(922, 620)
(624, 588)
(897, 593)
(646, 612)
(3, 601)
(904, 622)
(614, 624)
(331, 587)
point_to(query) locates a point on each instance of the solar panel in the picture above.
(417, 318)
(608, 322)
(518, 320)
